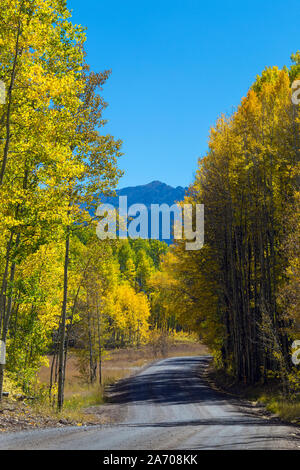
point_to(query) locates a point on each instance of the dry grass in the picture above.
(269, 395)
(287, 410)
(117, 365)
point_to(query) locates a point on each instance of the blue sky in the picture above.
(176, 66)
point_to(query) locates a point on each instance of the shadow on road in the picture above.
(206, 422)
(173, 381)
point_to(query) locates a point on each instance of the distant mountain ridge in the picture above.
(152, 193)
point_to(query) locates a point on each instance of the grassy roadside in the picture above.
(266, 396)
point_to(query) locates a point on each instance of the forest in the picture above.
(62, 288)
(241, 291)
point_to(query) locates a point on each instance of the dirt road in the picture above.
(167, 407)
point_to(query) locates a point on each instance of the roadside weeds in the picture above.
(261, 401)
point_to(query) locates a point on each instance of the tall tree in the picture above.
(41, 61)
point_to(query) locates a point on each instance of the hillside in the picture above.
(152, 193)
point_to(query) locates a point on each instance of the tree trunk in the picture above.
(9, 103)
(61, 353)
(99, 345)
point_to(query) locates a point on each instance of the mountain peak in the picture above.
(156, 183)
(155, 192)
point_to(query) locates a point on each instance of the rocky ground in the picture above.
(16, 416)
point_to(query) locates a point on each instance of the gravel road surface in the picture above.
(168, 407)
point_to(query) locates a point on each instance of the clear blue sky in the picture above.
(176, 66)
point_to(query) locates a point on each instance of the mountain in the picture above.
(152, 193)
